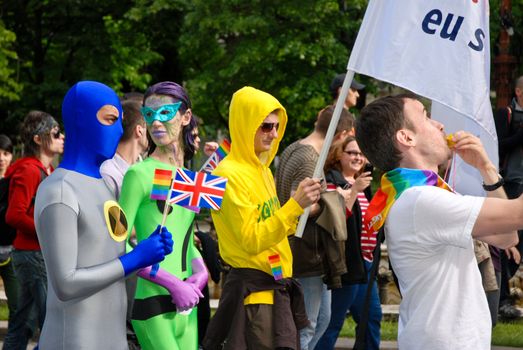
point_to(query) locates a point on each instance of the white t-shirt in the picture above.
(429, 240)
(113, 171)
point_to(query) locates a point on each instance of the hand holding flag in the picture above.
(222, 151)
(161, 191)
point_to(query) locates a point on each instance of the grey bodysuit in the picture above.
(86, 300)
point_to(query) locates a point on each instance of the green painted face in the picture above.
(165, 134)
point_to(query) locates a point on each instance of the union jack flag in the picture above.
(217, 156)
(211, 163)
(197, 189)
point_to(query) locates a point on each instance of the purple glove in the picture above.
(200, 275)
(184, 295)
(149, 251)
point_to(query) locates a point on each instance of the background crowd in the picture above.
(332, 261)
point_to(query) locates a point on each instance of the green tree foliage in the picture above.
(60, 42)
(9, 87)
(291, 49)
(152, 33)
(131, 52)
(497, 24)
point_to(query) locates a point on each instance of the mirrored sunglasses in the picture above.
(267, 127)
(162, 114)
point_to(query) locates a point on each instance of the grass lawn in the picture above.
(4, 312)
(504, 334)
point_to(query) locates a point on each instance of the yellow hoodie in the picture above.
(251, 225)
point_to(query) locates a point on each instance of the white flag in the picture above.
(438, 49)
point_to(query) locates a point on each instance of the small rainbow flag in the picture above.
(224, 149)
(276, 267)
(161, 184)
(218, 155)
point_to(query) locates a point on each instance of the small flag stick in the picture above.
(167, 205)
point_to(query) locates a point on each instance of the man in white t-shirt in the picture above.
(429, 229)
(130, 148)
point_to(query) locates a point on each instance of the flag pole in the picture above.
(318, 171)
(167, 204)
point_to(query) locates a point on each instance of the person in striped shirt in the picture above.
(345, 169)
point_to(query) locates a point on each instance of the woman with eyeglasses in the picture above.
(43, 141)
(163, 315)
(345, 171)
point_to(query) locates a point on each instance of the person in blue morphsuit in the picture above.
(82, 230)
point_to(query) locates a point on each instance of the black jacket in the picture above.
(353, 256)
(228, 324)
(509, 128)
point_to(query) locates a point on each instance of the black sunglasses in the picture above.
(56, 134)
(267, 127)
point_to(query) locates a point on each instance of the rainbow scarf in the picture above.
(393, 183)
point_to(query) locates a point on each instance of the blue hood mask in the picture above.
(88, 142)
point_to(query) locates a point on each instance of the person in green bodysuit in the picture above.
(163, 314)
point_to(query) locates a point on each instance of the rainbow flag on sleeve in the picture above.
(276, 266)
(161, 184)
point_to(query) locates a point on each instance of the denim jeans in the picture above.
(352, 298)
(32, 293)
(317, 305)
(7, 273)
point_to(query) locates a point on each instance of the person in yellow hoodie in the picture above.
(261, 306)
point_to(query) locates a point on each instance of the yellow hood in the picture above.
(249, 107)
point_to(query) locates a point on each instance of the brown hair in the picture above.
(346, 121)
(132, 116)
(37, 123)
(335, 153)
(376, 130)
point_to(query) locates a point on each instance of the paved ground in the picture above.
(341, 344)
(346, 343)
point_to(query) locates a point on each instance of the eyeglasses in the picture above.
(267, 127)
(56, 134)
(353, 153)
(162, 114)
